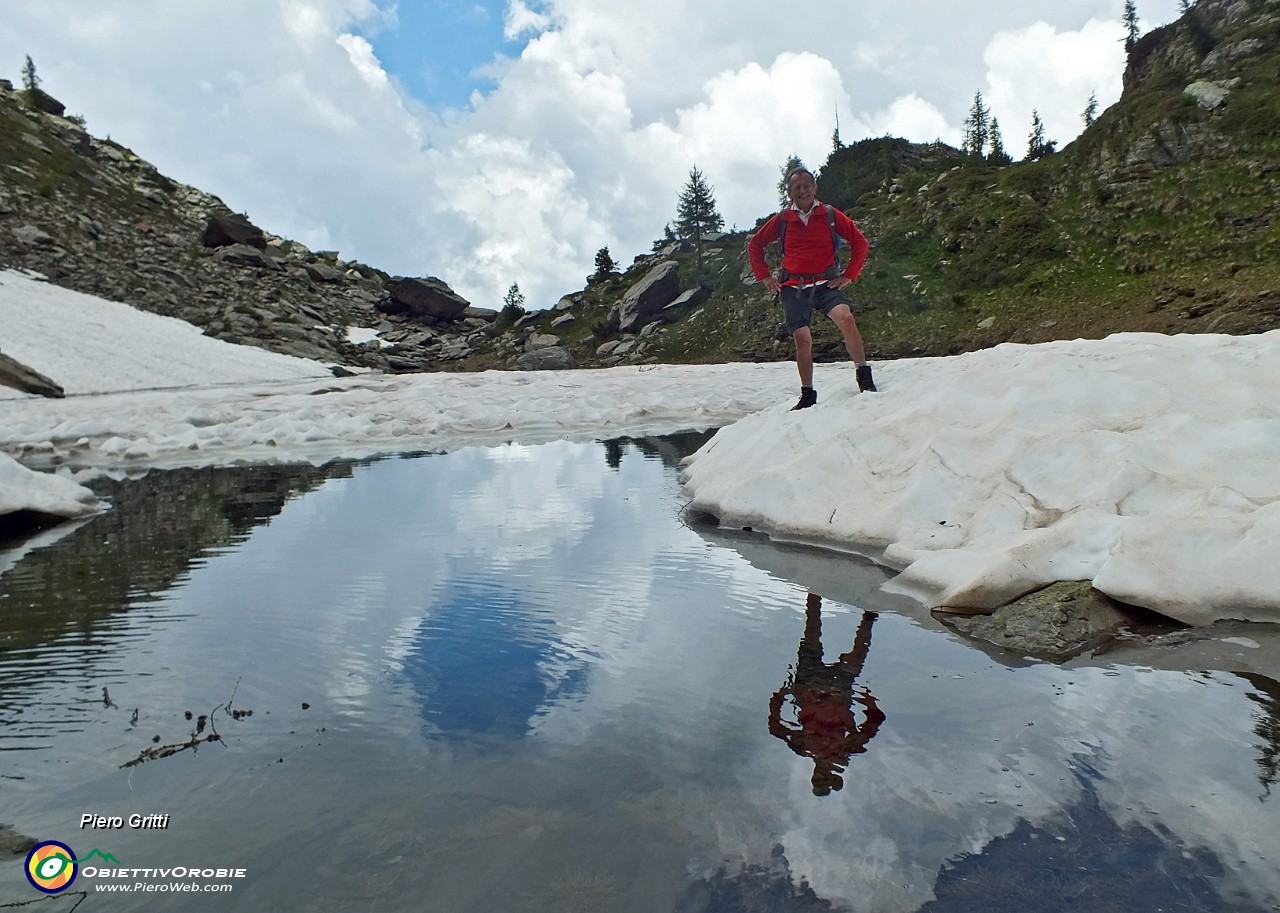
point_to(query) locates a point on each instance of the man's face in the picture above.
(802, 190)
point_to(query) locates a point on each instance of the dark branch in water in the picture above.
(198, 735)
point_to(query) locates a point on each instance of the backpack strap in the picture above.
(834, 269)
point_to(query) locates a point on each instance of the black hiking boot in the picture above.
(865, 383)
(808, 397)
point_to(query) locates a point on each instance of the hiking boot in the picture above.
(865, 383)
(808, 397)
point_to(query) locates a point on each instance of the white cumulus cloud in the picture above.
(1040, 68)
(360, 52)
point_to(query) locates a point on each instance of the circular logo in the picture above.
(51, 867)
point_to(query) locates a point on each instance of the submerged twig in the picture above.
(198, 735)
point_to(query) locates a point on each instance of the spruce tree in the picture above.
(1130, 25)
(604, 264)
(977, 128)
(1037, 146)
(696, 213)
(998, 155)
(1091, 110)
(30, 81)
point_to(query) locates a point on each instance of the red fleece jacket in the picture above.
(809, 250)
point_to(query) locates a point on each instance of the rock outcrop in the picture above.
(1055, 623)
(41, 100)
(547, 358)
(644, 300)
(91, 215)
(231, 228)
(14, 373)
(428, 297)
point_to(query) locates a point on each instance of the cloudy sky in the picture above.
(498, 141)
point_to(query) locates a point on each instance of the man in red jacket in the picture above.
(810, 279)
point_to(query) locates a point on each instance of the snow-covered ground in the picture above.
(144, 390)
(1142, 462)
(1145, 463)
(91, 345)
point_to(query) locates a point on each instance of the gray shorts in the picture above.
(799, 304)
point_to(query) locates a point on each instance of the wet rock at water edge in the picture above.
(1058, 622)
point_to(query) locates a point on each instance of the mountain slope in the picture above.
(1161, 216)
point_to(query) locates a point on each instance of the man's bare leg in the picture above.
(842, 317)
(804, 355)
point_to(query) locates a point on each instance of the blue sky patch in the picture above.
(437, 47)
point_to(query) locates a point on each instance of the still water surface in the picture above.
(522, 679)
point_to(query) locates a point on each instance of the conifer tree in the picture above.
(696, 213)
(604, 264)
(977, 128)
(1130, 25)
(30, 81)
(1037, 146)
(1184, 6)
(514, 299)
(998, 155)
(792, 162)
(1091, 110)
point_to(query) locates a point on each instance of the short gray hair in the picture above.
(800, 169)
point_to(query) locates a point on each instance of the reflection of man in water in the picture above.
(827, 729)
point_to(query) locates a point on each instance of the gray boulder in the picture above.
(1056, 623)
(401, 365)
(319, 272)
(428, 297)
(649, 296)
(244, 255)
(541, 341)
(42, 101)
(488, 315)
(233, 229)
(1229, 53)
(684, 301)
(32, 236)
(551, 358)
(1209, 95)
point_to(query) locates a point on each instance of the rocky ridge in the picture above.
(91, 215)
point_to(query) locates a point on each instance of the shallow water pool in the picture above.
(523, 679)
